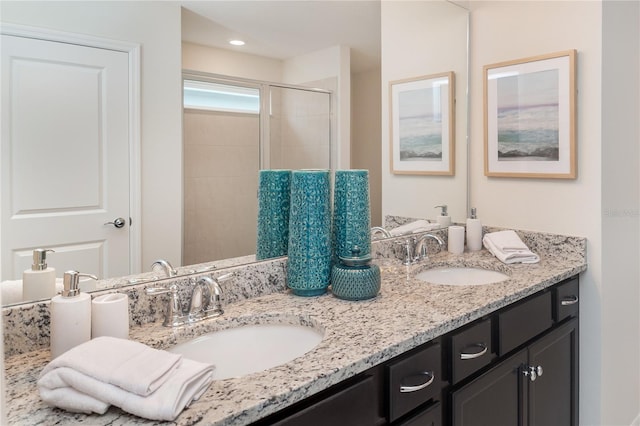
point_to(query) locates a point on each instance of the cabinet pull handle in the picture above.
(414, 388)
(483, 350)
(532, 372)
(572, 300)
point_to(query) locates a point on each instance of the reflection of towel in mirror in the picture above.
(11, 291)
(141, 380)
(509, 248)
(413, 227)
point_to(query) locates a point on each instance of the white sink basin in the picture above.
(461, 276)
(250, 348)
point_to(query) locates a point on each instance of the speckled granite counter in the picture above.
(406, 313)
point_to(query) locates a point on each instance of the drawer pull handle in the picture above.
(430, 377)
(483, 350)
(572, 300)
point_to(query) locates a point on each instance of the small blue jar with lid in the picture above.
(354, 277)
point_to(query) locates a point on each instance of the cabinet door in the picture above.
(493, 399)
(553, 396)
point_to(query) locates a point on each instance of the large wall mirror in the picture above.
(239, 17)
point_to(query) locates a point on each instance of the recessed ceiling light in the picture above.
(237, 42)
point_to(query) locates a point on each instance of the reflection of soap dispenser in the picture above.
(444, 219)
(39, 282)
(474, 232)
(70, 315)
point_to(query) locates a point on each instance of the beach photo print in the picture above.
(422, 125)
(529, 117)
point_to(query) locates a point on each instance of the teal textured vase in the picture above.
(309, 263)
(351, 212)
(355, 278)
(273, 213)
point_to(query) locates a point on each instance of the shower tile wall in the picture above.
(221, 162)
(300, 129)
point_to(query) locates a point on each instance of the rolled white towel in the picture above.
(141, 380)
(414, 227)
(130, 365)
(11, 291)
(508, 247)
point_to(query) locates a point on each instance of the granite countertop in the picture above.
(405, 314)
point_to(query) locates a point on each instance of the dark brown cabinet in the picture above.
(515, 367)
(536, 382)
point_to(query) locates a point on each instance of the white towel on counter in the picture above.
(11, 291)
(130, 365)
(508, 247)
(414, 227)
(66, 386)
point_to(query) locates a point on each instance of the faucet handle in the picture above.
(174, 315)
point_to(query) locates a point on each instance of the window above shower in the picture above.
(221, 97)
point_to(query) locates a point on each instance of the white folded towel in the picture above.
(67, 386)
(130, 365)
(73, 391)
(508, 247)
(413, 227)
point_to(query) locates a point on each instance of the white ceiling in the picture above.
(284, 29)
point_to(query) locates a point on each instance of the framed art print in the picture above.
(529, 117)
(422, 125)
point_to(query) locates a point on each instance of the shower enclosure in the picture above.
(233, 128)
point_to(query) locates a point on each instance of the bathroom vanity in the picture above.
(417, 354)
(516, 366)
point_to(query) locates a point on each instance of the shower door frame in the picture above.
(264, 118)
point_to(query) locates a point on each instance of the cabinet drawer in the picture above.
(431, 416)
(471, 350)
(413, 380)
(565, 303)
(524, 321)
(352, 406)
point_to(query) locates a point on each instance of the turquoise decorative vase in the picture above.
(354, 277)
(351, 212)
(309, 263)
(273, 213)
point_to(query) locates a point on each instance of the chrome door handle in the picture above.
(483, 350)
(118, 222)
(572, 300)
(415, 388)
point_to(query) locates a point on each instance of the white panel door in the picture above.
(65, 156)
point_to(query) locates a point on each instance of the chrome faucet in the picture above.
(205, 302)
(173, 315)
(379, 229)
(169, 270)
(420, 247)
(415, 249)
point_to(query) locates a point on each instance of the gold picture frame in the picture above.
(530, 117)
(423, 125)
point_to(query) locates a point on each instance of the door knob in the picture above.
(118, 222)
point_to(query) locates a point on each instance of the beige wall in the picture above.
(221, 162)
(607, 164)
(365, 134)
(156, 26)
(225, 62)
(423, 38)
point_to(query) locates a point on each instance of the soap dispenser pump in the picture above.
(444, 219)
(70, 315)
(474, 232)
(39, 282)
